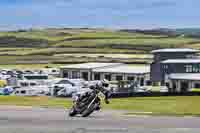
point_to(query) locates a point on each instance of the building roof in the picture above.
(181, 61)
(91, 65)
(185, 76)
(125, 69)
(170, 50)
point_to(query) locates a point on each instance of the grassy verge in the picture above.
(195, 90)
(35, 101)
(185, 105)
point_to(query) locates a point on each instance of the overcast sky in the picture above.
(16, 14)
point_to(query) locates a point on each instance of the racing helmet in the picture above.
(105, 83)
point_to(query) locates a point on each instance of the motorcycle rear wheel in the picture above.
(88, 111)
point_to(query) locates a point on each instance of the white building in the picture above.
(183, 82)
(109, 71)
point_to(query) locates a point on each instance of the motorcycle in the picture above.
(89, 102)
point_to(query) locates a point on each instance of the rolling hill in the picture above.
(41, 46)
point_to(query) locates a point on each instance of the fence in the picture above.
(153, 94)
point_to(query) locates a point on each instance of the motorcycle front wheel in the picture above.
(72, 112)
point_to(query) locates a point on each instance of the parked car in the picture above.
(65, 87)
(39, 79)
(142, 89)
(52, 71)
(4, 76)
(28, 92)
(6, 90)
(164, 89)
(28, 72)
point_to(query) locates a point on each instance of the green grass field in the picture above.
(29, 66)
(143, 43)
(35, 101)
(186, 105)
(62, 34)
(183, 105)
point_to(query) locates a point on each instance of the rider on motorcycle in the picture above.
(101, 85)
(89, 101)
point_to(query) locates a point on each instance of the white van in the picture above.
(52, 71)
(33, 85)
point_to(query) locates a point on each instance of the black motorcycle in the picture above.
(89, 102)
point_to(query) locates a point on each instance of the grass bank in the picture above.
(35, 101)
(182, 105)
(28, 66)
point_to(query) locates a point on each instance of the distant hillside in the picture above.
(61, 45)
(189, 32)
(13, 41)
(165, 32)
(77, 40)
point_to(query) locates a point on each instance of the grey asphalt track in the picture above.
(43, 120)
